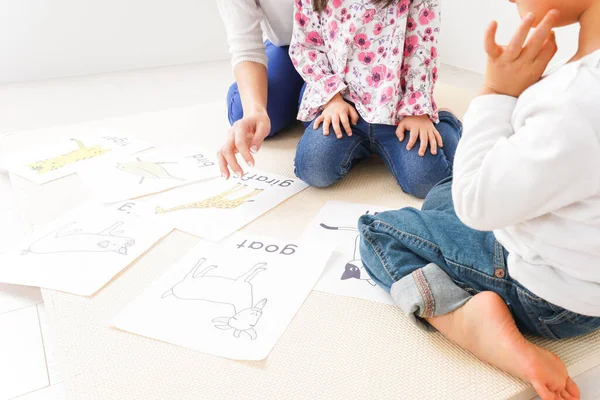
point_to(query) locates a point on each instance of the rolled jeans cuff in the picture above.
(427, 292)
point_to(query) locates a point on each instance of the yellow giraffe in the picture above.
(216, 201)
(82, 153)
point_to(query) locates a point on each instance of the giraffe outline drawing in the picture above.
(223, 200)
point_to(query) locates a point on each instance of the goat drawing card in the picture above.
(45, 163)
(336, 224)
(216, 208)
(115, 178)
(82, 251)
(232, 300)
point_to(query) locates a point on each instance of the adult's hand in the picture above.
(514, 68)
(245, 137)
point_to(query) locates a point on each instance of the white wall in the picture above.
(51, 38)
(464, 23)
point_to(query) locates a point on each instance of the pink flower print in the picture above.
(426, 16)
(426, 38)
(380, 50)
(414, 97)
(337, 3)
(378, 28)
(392, 21)
(366, 98)
(347, 42)
(395, 51)
(308, 70)
(434, 52)
(423, 78)
(328, 11)
(362, 41)
(434, 74)
(417, 107)
(295, 62)
(352, 28)
(431, 38)
(403, 84)
(386, 96)
(333, 28)
(377, 76)
(312, 56)
(301, 19)
(410, 45)
(314, 38)
(428, 31)
(402, 7)
(384, 55)
(427, 62)
(344, 12)
(298, 4)
(400, 105)
(411, 24)
(346, 69)
(366, 57)
(368, 16)
(331, 84)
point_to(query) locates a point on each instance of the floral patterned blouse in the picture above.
(383, 59)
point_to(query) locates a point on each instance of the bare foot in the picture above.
(485, 327)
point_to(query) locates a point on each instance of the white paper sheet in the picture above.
(12, 228)
(82, 251)
(46, 163)
(216, 208)
(113, 178)
(336, 225)
(233, 300)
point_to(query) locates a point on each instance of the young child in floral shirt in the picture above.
(370, 68)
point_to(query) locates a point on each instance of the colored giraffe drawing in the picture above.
(82, 153)
(218, 201)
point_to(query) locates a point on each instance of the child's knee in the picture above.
(419, 179)
(415, 185)
(235, 111)
(313, 172)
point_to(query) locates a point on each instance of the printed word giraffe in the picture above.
(218, 201)
(82, 153)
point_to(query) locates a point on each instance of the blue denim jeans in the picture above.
(284, 86)
(431, 263)
(323, 160)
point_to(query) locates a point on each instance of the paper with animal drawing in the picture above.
(232, 300)
(81, 251)
(115, 178)
(45, 163)
(216, 208)
(336, 225)
(12, 228)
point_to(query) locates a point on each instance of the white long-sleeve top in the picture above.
(529, 169)
(247, 21)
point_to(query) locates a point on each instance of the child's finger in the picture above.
(540, 35)
(548, 51)
(400, 131)
(346, 124)
(318, 121)
(424, 140)
(414, 136)
(335, 121)
(354, 116)
(513, 50)
(326, 123)
(438, 137)
(491, 47)
(432, 142)
(223, 165)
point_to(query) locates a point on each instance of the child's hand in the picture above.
(514, 68)
(336, 111)
(420, 127)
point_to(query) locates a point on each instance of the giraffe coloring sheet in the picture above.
(82, 251)
(115, 178)
(45, 163)
(234, 300)
(216, 208)
(344, 274)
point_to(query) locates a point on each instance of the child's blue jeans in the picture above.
(284, 86)
(431, 263)
(323, 160)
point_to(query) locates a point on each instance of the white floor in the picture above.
(28, 367)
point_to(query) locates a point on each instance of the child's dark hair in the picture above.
(319, 5)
